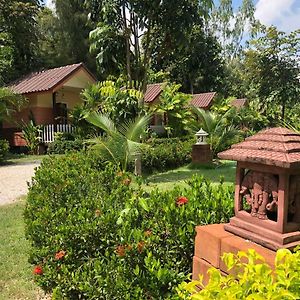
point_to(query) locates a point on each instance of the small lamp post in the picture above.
(201, 152)
(201, 136)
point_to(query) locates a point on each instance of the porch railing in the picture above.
(51, 129)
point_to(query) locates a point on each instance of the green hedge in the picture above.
(4, 147)
(95, 235)
(62, 147)
(166, 153)
(64, 143)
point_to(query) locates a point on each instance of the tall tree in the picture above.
(10, 103)
(197, 64)
(272, 69)
(64, 39)
(18, 36)
(137, 24)
(50, 42)
(230, 26)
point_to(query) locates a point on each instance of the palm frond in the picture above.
(102, 121)
(113, 150)
(133, 130)
(207, 119)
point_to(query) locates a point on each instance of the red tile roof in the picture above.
(276, 146)
(203, 100)
(239, 103)
(45, 80)
(153, 91)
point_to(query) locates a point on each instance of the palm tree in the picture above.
(219, 126)
(122, 144)
(10, 103)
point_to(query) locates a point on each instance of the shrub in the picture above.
(4, 147)
(31, 133)
(256, 280)
(95, 236)
(165, 153)
(64, 143)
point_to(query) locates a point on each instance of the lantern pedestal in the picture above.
(201, 153)
(212, 241)
(266, 201)
(267, 188)
(267, 238)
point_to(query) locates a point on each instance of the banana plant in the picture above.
(31, 133)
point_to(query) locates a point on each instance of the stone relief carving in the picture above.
(261, 193)
(294, 196)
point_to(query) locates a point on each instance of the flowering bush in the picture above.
(97, 236)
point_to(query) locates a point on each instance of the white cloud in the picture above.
(50, 4)
(282, 13)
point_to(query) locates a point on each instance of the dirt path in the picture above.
(13, 181)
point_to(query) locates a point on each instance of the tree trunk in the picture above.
(127, 37)
(283, 110)
(137, 52)
(146, 62)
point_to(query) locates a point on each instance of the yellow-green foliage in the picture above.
(255, 281)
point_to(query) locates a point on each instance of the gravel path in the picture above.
(13, 181)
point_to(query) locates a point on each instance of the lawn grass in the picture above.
(16, 279)
(167, 180)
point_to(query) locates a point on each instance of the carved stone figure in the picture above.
(261, 193)
(294, 197)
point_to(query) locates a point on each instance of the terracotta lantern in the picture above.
(267, 189)
(201, 136)
(201, 152)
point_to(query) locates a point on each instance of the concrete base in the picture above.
(201, 154)
(212, 241)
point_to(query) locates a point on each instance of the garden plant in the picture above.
(4, 147)
(255, 279)
(96, 235)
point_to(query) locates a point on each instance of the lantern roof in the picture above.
(201, 132)
(275, 146)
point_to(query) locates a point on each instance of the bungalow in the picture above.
(239, 103)
(51, 94)
(152, 95)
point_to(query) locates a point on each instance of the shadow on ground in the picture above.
(213, 173)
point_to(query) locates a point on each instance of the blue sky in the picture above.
(284, 14)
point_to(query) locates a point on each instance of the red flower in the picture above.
(59, 255)
(38, 270)
(120, 250)
(181, 201)
(140, 246)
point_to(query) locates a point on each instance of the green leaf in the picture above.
(143, 204)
